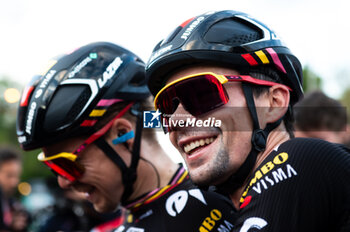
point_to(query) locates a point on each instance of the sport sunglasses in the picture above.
(64, 163)
(199, 93)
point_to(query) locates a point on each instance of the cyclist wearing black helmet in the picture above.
(230, 67)
(85, 113)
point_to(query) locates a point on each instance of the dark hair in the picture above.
(268, 74)
(317, 111)
(8, 153)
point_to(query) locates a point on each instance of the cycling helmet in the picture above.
(228, 38)
(58, 104)
(73, 95)
(236, 40)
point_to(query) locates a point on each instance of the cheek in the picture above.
(106, 177)
(238, 145)
(101, 168)
(98, 167)
(172, 137)
(234, 119)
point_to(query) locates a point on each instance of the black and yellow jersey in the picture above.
(180, 206)
(303, 185)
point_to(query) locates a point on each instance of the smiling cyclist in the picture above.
(229, 66)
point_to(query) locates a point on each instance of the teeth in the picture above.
(193, 145)
(197, 143)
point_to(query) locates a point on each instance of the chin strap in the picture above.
(129, 174)
(258, 141)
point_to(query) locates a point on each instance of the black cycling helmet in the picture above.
(63, 102)
(228, 38)
(231, 39)
(57, 104)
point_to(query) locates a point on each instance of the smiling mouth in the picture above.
(194, 145)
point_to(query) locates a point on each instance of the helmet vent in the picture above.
(62, 112)
(79, 105)
(233, 32)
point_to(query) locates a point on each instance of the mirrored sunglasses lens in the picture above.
(198, 95)
(202, 94)
(66, 168)
(166, 102)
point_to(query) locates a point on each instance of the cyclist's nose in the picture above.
(63, 182)
(179, 118)
(182, 114)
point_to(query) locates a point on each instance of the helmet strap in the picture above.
(258, 141)
(129, 174)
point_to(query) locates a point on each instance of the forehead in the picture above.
(190, 70)
(10, 164)
(11, 160)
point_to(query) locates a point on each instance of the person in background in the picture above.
(12, 215)
(86, 114)
(319, 116)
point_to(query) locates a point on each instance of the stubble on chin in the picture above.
(214, 172)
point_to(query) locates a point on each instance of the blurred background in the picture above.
(32, 32)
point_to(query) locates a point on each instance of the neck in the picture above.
(155, 170)
(275, 138)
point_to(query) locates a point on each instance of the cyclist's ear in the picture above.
(122, 129)
(123, 137)
(273, 105)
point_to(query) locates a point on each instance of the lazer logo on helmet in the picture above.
(191, 27)
(30, 117)
(110, 71)
(81, 65)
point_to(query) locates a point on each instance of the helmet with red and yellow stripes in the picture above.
(229, 38)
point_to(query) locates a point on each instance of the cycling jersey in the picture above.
(303, 185)
(179, 206)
